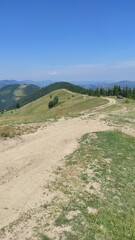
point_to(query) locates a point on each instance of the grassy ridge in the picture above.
(69, 105)
(52, 87)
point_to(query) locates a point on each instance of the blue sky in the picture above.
(69, 40)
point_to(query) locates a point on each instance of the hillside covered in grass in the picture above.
(69, 104)
(11, 94)
(52, 87)
(99, 186)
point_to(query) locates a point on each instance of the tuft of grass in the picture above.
(8, 131)
(127, 101)
(84, 176)
(44, 237)
(61, 220)
(45, 205)
(13, 130)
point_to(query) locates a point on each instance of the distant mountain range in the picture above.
(7, 82)
(85, 84)
(126, 83)
(28, 82)
(122, 84)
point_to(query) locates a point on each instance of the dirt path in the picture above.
(26, 165)
(111, 102)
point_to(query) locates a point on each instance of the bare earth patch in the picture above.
(28, 164)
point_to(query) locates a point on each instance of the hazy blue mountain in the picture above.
(37, 83)
(86, 84)
(125, 83)
(7, 82)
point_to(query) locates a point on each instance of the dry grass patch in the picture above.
(13, 130)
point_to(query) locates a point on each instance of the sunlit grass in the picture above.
(99, 183)
(37, 111)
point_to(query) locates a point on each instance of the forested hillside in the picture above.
(11, 94)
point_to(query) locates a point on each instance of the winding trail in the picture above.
(111, 102)
(27, 165)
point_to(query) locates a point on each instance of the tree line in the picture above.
(114, 91)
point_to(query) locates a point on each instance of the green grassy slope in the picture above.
(10, 94)
(98, 186)
(52, 87)
(69, 104)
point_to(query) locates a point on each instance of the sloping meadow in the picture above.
(98, 182)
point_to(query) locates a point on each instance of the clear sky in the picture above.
(76, 40)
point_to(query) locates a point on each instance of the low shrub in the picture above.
(53, 102)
